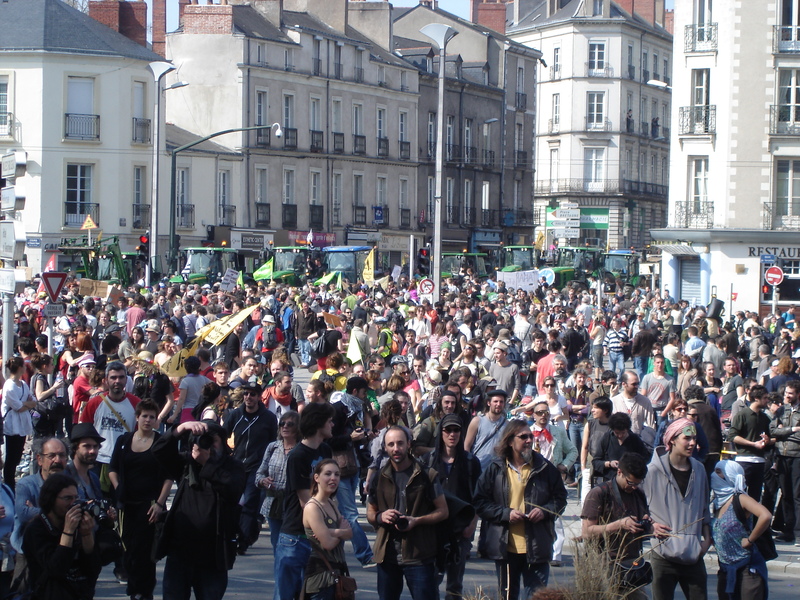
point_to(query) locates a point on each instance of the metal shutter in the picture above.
(690, 280)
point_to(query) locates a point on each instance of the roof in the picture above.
(176, 136)
(54, 26)
(248, 21)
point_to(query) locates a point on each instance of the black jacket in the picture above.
(462, 476)
(251, 437)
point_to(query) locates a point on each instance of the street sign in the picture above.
(53, 310)
(8, 281)
(548, 275)
(568, 204)
(568, 213)
(89, 223)
(426, 286)
(774, 276)
(53, 282)
(12, 240)
(769, 259)
(567, 232)
(14, 164)
(12, 198)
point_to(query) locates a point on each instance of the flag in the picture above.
(327, 278)
(265, 270)
(310, 237)
(240, 279)
(339, 281)
(368, 275)
(383, 282)
(353, 350)
(50, 266)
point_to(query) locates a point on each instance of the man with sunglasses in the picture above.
(253, 427)
(634, 404)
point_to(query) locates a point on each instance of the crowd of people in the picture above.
(468, 420)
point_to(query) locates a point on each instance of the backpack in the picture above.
(269, 337)
(317, 350)
(325, 377)
(514, 355)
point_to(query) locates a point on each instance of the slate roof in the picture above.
(176, 136)
(54, 26)
(251, 23)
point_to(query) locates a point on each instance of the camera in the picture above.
(645, 524)
(401, 523)
(98, 509)
(204, 441)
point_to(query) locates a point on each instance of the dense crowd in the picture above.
(167, 424)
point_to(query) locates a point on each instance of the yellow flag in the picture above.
(222, 328)
(174, 366)
(369, 268)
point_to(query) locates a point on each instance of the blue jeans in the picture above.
(274, 532)
(530, 390)
(305, 351)
(291, 558)
(515, 566)
(421, 581)
(182, 576)
(347, 505)
(640, 366)
(617, 362)
(329, 593)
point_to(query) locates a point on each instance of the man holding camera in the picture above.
(406, 501)
(84, 446)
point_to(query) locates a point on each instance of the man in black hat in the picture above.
(253, 427)
(84, 446)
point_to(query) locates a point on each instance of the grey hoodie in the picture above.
(685, 515)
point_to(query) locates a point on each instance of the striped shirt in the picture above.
(614, 340)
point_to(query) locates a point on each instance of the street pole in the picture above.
(8, 329)
(774, 299)
(158, 69)
(411, 258)
(440, 34)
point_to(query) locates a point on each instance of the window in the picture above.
(262, 185)
(358, 119)
(642, 166)
(182, 186)
(139, 110)
(655, 66)
(403, 126)
(654, 168)
(519, 137)
(556, 109)
(594, 168)
(645, 64)
(450, 130)
(468, 209)
(520, 80)
(486, 188)
(381, 118)
(789, 95)
(380, 191)
(630, 55)
(699, 183)
(336, 198)
(701, 87)
(597, 56)
(315, 115)
(261, 108)
(79, 194)
(288, 110)
(139, 183)
(431, 205)
(629, 101)
(702, 13)
(788, 188)
(314, 185)
(317, 55)
(381, 75)
(557, 58)
(553, 165)
(402, 194)
(629, 164)
(431, 129)
(597, 8)
(288, 186)
(288, 59)
(664, 171)
(594, 110)
(358, 190)
(517, 194)
(3, 102)
(403, 81)
(665, 73)
(261, 54)
(468, 132)
(81, 123)
(336, 116)
(449, 207)
(223, 186)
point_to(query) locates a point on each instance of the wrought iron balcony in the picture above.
(81, 127)
(450, 212)
(405, 218)
(521, 159)
(644, 128)
(596, 124)
(698, 120)
(489, 218)
(694, 214)
(316, 217)
(523, 218)
(262, 214)
(488, 158)
(337, 70)
(383, 146)
(470, 155)
(6, 124)
(468, 216)
(521, 101)
(632, 72)
(359, 144)
(358, 74)
(553, 126)
(317, 141)
(184, 216)
(75, 213)
(700, 38)
(784, 119)
(453, 153)
(431, 150)
(630, 125)
(289, 216)
(405, 150)
(645, 75)
(555, 72)
(226, 215)
(786, 39)
(290, 138)
(359, 215)
(141, 131)
(644, 188)
(338, 143)
(606, 186)
(263, 137)
(316, 66)
(141, 216)
(780, 214)
(598, 69)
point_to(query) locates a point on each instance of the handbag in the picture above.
(317, 349)
(764, 543)
(346, 586)
(635, 573)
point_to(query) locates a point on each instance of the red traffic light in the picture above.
(423, 252)
(765, 289)
(144, 239)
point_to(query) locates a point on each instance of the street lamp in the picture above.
(659, 84)
(440, 34)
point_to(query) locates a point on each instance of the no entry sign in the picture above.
(774, 276)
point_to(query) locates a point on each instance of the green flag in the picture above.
(240, 279)
(327, 278)
(265, 270)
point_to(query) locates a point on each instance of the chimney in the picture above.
(432, 4)
(271, 10)
(669, 21)
(181, 7)
(127, 18)
(159, 26)
(214, 19)
(490, 13)
(651, 11)
(373, 19)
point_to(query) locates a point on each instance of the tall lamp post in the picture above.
(440, 34)
(173, 190)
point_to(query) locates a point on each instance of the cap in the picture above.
(145, 356)
(153, 329)
(776, 362)
(86, 359)
(451, 421)
(71, 309)
(435, 376)
(504, 334)
(251, 386)
(497, 392)
(500, 346)
(82, 431)
(268, 319)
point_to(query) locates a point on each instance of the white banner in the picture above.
(526, 280)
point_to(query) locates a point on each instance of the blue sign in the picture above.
(548, 275)
(768, 258)
(34, 242)
(377, 212)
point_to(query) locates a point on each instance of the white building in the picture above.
(734, 191)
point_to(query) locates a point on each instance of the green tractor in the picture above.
(292, 263)
(102, 260)
(518, 258)
(453, 262)
(207, 265)
(574, 265)
(621, 267)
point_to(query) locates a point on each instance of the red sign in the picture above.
(53, 282)
(426, 286)
(774, 276)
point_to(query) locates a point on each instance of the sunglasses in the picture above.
(525, 436)
(541, 413)
(452, 430)
(691, 414)
(549, 385)
(249, 393)
(289, 424)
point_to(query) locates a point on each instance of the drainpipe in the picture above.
(247, 155)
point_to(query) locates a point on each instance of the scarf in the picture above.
(354, 405)
(727, 480)
(284, 400)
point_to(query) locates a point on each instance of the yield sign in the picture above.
(53, 282)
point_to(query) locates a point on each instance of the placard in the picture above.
(526, 280)
(91, 287)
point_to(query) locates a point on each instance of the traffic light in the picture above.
(144, 244)
(424, 261)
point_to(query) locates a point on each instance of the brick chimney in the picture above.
(669, 21)
(128, 18)
(489, 13)
(181, 7)
(651, 11)
(208, 19)
(160, 27)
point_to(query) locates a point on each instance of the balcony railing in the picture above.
(784, 119)
(358, 74)
(644, 188)
(700, 38)
(596, 124)
(520, 159)
(431, 150)
(6, 124)
(489, 218)
(317, 141)
(599, 69)
(698, 120)
(262, 214)
(383, 146)
(694, 214)
(645, 75)
(521, 101)
(289, 216)
(141, 216)
(522, 218)
(405, 218)
(81, 127)
(359, 144)
(778, 215)
(606, 186)
(184, 216)
(453, 153)
(630, 125)
(644, 128)
(488, 158)
(468, 216)
(553, 126)
(786, 39)
(665, 132)
(337, 70)
(338, 143)
(263, 137)
(316, 217)
(141, 131)
(226, 215)
(290, 138)
(632, 72)
(75, 213)
(470, 155)
(405, 150)
(359, 215)
(450, 212)
(555, 72)
(316, 66)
